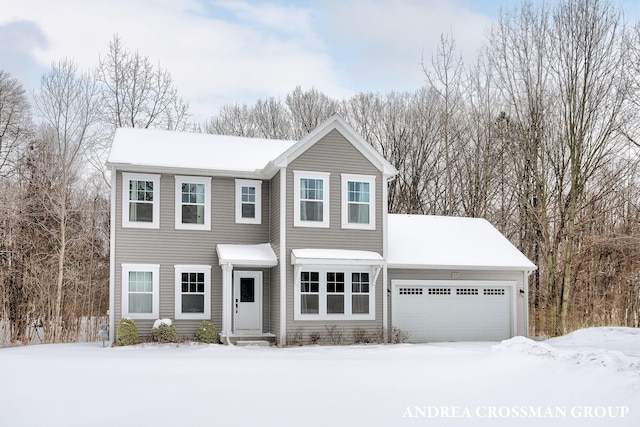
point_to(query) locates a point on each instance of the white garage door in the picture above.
(462, 311)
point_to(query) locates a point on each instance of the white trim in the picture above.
(126, 178)
(179, 269)
(206, 181)
(371, 180)
(227, 272)
(112, 258)
(155, 301)
(257, 275)
(511, 284)
(258, 203)
(283, 257)
(325, 177)
(322, 294)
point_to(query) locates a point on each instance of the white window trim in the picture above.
(155, 299)
(322, 295)
(179, 180)
(371, 179)
(126, 178)
(179, 269)
(297, 176)
(258, 186)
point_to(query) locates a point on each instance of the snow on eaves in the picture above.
(154, 149)
(420, 241)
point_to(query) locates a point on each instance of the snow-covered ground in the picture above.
(588, 378)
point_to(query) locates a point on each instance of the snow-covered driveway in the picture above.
(590, 377)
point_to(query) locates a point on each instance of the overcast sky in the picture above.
(228, 51)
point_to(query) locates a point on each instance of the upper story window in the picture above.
(248, 201)
(193, 203)
(311, 199)
(358, 201)
(140, 291)
(140, 200)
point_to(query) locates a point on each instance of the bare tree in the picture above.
(15, 121)
(68, 104)
(137, 94)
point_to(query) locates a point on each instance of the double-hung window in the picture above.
(140, 200)
(358, 201)
(248, 201)
(140, 291)
(192, 292)
(311, 199)
(193, 203)
(324, 294)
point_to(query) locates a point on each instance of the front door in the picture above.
(247, 300)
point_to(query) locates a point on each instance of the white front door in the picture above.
(247, 302)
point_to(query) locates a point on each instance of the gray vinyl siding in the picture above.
(333, 154)
(419, 274)
(274, 224)
(167, 247)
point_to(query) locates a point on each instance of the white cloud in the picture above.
(217, 52)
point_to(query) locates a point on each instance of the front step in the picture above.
(253, 343)
(257, 339)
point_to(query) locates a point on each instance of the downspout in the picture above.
(112, 259)
(283, 256)
(385, 250)
(525, 284)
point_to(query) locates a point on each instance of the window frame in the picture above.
(325, 177)
(371, 180)
(257, 184)
(154, 269)
(183, 179)
(322, 314)
(127, 177)
(184, 268)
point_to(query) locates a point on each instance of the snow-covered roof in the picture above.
(153, 149)
(335, 257)
(261, 255)
(419, 241)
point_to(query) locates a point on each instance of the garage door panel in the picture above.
(464, 312)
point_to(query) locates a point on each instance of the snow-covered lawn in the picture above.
(590, 377)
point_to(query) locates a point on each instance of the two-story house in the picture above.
(270, 238)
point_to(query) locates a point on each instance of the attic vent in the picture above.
(491, 291)
(439, 291)
(410, 291)
(467, 291)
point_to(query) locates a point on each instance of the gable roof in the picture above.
(421, 241)
(338, 123)
(157, 150)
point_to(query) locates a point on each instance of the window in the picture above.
(192, 292)
(140, 200)
(360, 293)
(248, 201)
(358, 201)
(311, 199)
(140, 291)
(193, 203)
(309, 292)
(333, 295)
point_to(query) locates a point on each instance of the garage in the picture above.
(453, 311)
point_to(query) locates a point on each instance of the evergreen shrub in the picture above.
(207, 333)
(127, 332)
